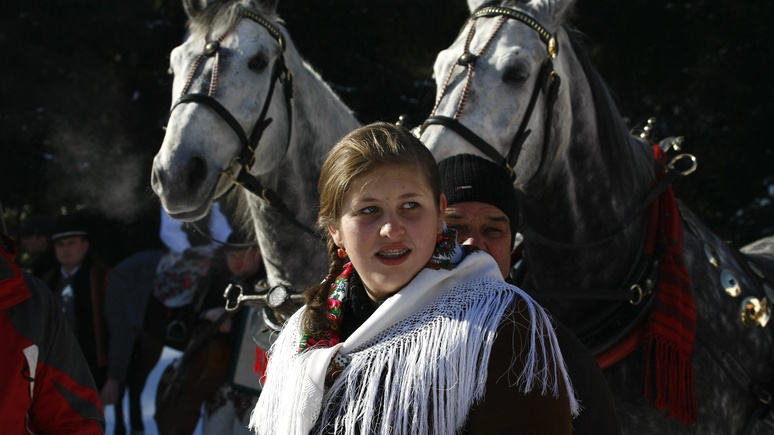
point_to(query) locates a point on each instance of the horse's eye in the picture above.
(257, 63)
(515, 75)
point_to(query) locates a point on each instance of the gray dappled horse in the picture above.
(247, 109)
(516, 86)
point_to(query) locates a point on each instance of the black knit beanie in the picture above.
(467, 177)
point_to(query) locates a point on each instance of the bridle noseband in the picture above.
(239, 169)
(548, 82)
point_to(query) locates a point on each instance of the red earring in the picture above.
(342, 253)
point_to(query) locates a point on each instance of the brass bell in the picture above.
(730, 283)
(755, 312)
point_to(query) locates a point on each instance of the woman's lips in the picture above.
(392, 257)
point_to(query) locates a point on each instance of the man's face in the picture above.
(244, 263)
(485, 226)
(70, 251)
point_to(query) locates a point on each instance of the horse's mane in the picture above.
(619, 148)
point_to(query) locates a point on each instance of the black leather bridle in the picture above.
(239, 169)
(548, 82)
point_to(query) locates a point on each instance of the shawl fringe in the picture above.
(420, 376)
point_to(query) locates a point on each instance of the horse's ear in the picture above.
(266, 6)
(556, 10)
(193, 7)
(473, 5)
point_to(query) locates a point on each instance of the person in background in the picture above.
(129, 288)
(409, 332)
(78, 283)
(36, 253)
(482, 208)
(46, 385)
(227, 411)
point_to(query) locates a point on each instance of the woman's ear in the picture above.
(335, 234)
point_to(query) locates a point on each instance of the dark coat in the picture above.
(504, 409)
(91, 330)
(598, 414)
(128, 290)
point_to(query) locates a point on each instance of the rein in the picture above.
(548, 82)
(239, 169)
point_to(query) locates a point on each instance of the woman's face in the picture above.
(389, 226)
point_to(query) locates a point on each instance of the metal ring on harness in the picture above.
(675, 161)
(637, 294)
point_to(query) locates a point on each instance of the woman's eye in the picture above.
(410, 205)
(367, 210)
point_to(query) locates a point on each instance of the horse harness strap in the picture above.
(630, 303)
(239, 171)
(548, 82)
(467, 134)
(253, 185)
(675, 169)
(762, 396)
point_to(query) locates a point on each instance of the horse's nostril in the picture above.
(157, 179)
(197, 171)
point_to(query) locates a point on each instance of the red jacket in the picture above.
(46, 386)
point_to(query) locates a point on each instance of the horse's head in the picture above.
(499, 86)
(230, 104)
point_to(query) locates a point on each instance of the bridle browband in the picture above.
(239, 169)
(548, 82)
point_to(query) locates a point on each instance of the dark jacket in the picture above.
(126, 300)
(46, 385)
(598, 414)
(91, 330)
(527, 414)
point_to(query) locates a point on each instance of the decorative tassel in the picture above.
(672, 326)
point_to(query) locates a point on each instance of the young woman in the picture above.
(409, 333)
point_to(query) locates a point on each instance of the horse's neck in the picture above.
(577, 201)
(320, 119)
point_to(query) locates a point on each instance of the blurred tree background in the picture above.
(85, 94)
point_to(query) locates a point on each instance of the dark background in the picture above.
(85, 91)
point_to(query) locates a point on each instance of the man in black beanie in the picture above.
(482, 208)
(481, 205)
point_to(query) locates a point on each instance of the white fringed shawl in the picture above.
(416, 366)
